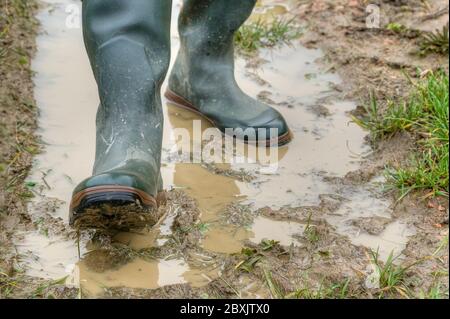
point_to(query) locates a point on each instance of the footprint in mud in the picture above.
(324, 147)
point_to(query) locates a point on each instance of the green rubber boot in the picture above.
(203, 81)
(128, 43)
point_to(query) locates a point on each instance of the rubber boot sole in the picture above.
(181, 102)
(115, 207)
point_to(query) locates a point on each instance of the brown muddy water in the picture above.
(326, 145)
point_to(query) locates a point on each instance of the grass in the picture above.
(20, 285)
(391, 277)
(251, 258)
(324, 291)
(7, 285)
(14, 8)
(311, 233)
(332, 291)
(255, 35)
(436, 291)
(268, 244)
(42, 290)
(275, 289)
(396, 27)
(203, 228)
(17, 123)
(428, 42)
(434, 42)
(425, 114)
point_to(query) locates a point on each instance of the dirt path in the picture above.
(235, 230)
(380, 61)
(18, 145)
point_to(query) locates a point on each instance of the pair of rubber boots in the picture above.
(128, 44)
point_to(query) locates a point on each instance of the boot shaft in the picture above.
(128, 44)
(210, 25)
(142, 22)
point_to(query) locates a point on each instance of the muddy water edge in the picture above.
(307, 223)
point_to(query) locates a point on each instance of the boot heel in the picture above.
(181, 102)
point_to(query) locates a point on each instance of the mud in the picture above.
(376, 61)
(125, 218)
(18, 145)
(241, 230)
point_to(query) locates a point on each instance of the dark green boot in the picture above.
(128, 43)
(203, 79)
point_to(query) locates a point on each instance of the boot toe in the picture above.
(272, 120)
(113, 200)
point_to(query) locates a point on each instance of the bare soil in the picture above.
(380, 61)
(18, 144)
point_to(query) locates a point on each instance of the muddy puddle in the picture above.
(327, 145)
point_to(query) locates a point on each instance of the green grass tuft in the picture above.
(434, 42)
(391, 277)
(311, 233)
(436, 291)
(396, 27)
(331, 291)
(425, 114)
(255, 35)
